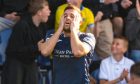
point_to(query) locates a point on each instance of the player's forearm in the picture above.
(78, 47)
(50, 44)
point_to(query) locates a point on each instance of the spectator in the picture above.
(11, 12)
(125, 6)
(70, 48)
(133, 23)
(20, 66)
(135, 74)
(103, 30)
(108, 23)
(115, 69)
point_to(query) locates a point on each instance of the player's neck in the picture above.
(66, 34)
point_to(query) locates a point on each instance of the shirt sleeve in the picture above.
(49, 34)
(90, 39)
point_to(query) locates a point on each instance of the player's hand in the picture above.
(75, 23)
(61, 25)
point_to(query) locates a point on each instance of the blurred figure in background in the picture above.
(20, 66)
(11, 12)
(135, 74)
(132, 32)
(116, 68)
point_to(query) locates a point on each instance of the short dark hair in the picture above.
(135, 69)
(36, 5)
(126, 43)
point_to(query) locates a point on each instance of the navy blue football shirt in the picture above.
(68, 69)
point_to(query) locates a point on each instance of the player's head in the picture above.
(71, 13)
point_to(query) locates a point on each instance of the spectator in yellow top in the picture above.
(87, 15)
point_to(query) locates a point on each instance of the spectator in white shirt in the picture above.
(115, 69)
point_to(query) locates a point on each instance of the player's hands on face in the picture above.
(75, 24)
(62, 21)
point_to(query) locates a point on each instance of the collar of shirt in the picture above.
(113, 61)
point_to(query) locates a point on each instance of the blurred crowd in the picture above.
(114, 46)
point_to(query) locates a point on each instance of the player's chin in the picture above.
(67, 26)
(67, 29)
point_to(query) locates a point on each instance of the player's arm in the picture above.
(79, 48)
(47, 47)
